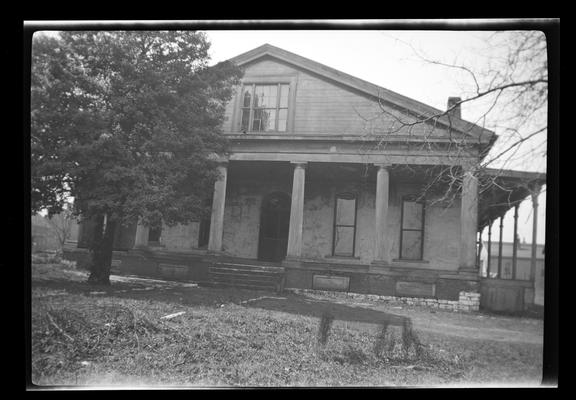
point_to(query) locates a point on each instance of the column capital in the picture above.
(383, 165)
(299, 164)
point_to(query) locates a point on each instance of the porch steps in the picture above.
(248, 276)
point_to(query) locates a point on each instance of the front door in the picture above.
(274, 226)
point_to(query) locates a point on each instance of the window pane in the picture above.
(344, 241)
(345, 211)
(268, 118)
(284, 90)
(412, 218)
(247, 96)
(282, 120)
(411, 245)
(266, 96)
(245, 119)
(256, 124)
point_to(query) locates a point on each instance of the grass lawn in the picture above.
(86, 335)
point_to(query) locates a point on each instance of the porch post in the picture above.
(500, 248)
(141, 237)
(218, 203)
(468, 221)
(381, 246)
(515, 243)
(294, 249)
(479, 248)
(534, 233)
(489, 249)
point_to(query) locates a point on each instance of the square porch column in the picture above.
(218, 203)
(294, 249)
(381, 245)
(468, 222)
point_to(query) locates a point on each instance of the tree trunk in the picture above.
(102, 247)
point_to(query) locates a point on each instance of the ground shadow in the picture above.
(185, 293)
(302, 305)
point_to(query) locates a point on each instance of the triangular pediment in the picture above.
(391, 102)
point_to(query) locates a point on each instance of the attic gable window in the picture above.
(264, 107)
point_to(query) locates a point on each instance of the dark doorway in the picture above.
(274, 226)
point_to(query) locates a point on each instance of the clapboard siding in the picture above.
(327, 107)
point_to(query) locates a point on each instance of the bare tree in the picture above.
(511, 92)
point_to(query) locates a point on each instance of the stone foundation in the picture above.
(467, 301)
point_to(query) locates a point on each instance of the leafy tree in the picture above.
(126, 124)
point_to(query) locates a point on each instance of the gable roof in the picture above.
(420, 110)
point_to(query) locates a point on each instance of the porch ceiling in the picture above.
(501, 190)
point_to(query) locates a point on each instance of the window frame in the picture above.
(412, 199)
(289, 80)
(252, 108)
(341, 195)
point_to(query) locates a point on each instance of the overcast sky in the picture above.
(388, 59)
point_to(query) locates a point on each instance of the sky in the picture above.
(390, 59)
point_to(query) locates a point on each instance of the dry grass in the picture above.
(90, 339)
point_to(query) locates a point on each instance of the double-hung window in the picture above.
(412, 229)
(264, 107)
(344, 225)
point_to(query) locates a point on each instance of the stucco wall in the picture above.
(242, 215)
(180, 237)
(242, 219)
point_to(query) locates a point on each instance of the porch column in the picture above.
(468, 221)
(515, 242)
(381, 246)
(488, 261)
(141, 237)
(500, 247)
(534, 234)
(294, 249)
(218, 202)
(479, 248)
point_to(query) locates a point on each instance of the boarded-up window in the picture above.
(264, 108)
(412, 229)
(345, 225)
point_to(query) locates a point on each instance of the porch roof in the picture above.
(501, 190)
